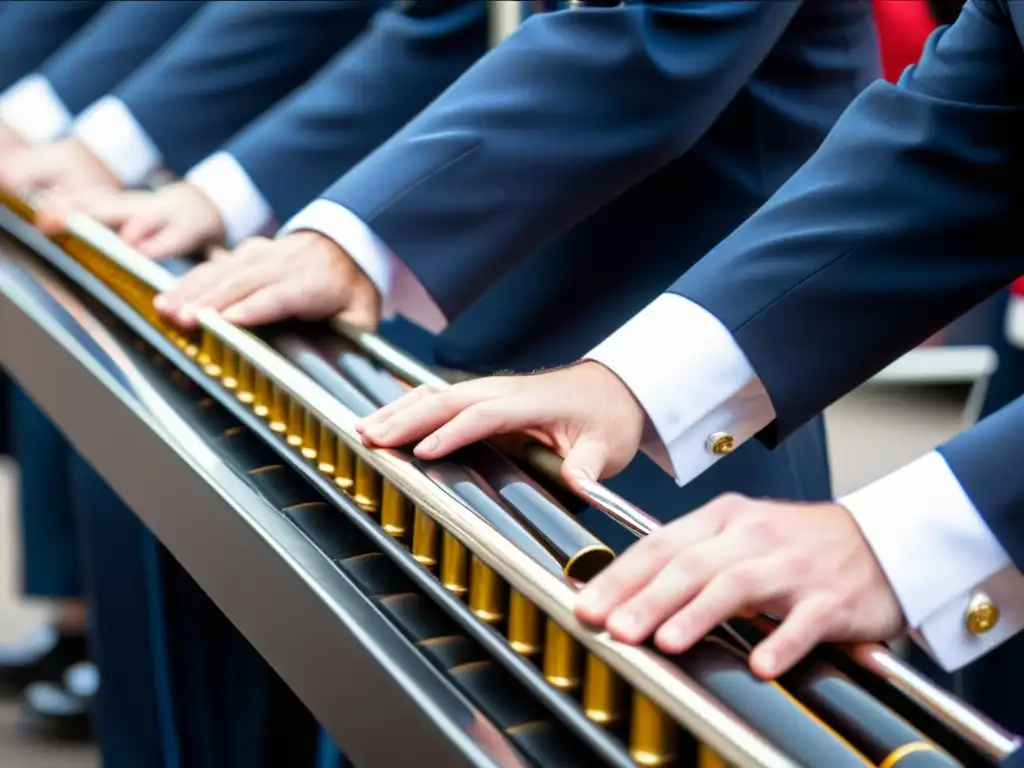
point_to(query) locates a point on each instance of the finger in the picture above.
(54, 208)
(215, 252)
(370, 425)
(673, 587)
(269, 301)
(801, 631)
(588, 457)
(418, 417)
(744, 587)
(176, 304)
(449, 400)
(633, 569)
(140, 226)
(478, 422)
(164, 242)
(218, 285)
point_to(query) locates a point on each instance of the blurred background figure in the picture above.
(55, 58)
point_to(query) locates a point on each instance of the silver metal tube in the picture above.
(660, 681)
(503, 16)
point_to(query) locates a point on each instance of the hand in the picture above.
(584, 413)
(174, 221)
(66, 165)
(807, 564)
(10, 139)
(303, 275)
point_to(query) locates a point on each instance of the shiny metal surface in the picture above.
(541, 458)
(660, 681)
(668, 687)
(200, 510)
(576, 720)
(988, 738)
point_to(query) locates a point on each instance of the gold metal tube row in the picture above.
(651, 730)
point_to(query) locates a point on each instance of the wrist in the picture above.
(310, 240)
(214, 228)
(10, 138)
(88, 157)
(631, 411)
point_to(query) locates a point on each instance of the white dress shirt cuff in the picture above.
(242, 208)
(400, 291)
(937, 553)
(32, 108)
(110, 131)
(691, 378)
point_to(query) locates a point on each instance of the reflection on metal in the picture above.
(602, 693)
(200, 506)
(503, 17)
(515, 601)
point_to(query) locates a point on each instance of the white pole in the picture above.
(503, 18)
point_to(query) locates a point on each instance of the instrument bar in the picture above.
(201, 510)
(656, 678)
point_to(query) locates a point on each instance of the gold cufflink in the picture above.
(982, 614)
(720, 443)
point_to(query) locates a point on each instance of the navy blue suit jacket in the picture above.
(662, 125)
(908, 215)
(365, 94)
(111, 46)
(31, 32)
(231, 63)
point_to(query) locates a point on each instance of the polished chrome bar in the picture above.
(502, 19)
(541, 458)
(581, 554)
(653, 677)
(656, 678)
(988, 738)
(203, 511)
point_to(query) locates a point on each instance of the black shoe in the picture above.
(44, 656)
(60, 711)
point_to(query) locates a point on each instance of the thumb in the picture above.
(363, 310)
(588, 458)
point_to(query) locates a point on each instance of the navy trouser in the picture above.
(50, 556)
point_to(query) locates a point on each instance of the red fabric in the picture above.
(903, 27)
(1017, 287)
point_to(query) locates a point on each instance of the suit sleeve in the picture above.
(362, 97)
(984, 460)
(31, 32)
(112, 46)
(908, 215)
(231, 63)
(564, 115)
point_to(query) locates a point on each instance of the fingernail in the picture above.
(429, 445)
(768, 664)
(379, 431)
(589, 601)
(160, 302)
(233, 315)
(622, 623)
(671, 639)
(580, 476)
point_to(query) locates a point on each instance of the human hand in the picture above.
(303, 275)
(174, 221)
(583, 412)
(807, 564)
(66, 165)
(10, 139)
